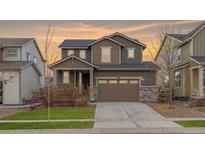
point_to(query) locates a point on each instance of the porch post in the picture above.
(191, 79)
(55, 76)
(80, 83)
(200, 81)
(91, 83)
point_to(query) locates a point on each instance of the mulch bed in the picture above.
(178, 110)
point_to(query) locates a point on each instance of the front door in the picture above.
(1, 92)
(86, 80)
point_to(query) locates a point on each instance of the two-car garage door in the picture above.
(115, 90)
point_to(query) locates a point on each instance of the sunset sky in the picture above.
(144, 31)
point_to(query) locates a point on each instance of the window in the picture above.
(204, 78)
(133, 81)
(123, 81)
(178, 79)
(66, 77)
(70, 52)
(106, 55)
(28, 56)
(131, 52)
(102, 81)
(35, 60)
(82, 54)
(112, 81)
(11, 53)
(178, 55)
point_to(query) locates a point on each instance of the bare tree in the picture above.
(166, 60)
(48, 39)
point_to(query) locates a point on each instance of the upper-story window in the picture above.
(82, 54)
(70, 52)
(178, 52)
(11, 53)
(105, 54)
(131, 52)
(28, 56)
(35, 60)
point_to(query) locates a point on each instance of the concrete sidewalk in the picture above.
(109, 131)
(57, 120)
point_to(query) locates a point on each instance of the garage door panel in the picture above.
(122, 91)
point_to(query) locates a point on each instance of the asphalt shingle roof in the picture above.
(183, 37)
(13, 65)
(143, 65)
(13, 41)
(200, 59)
(75, 43)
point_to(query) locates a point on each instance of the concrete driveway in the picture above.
(129, 115)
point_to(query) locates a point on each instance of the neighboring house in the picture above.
(189, 69)
(21, 70)
(111, 66)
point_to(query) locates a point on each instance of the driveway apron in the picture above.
(129, 115)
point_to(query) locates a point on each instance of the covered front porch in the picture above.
(80, 79)
(197, 71)
(74, 72)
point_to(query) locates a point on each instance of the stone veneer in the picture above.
(148, 93)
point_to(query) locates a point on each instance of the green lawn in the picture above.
(192, 123)
(56, 113)
(45, 125)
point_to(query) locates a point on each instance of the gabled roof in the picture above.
(179, 37)
(17, 65)
(75, 43)
(133, 40)
(18, 42)
(109, 38)
(14, 41)
(69, 57)
(132, 66)
(182, 38)
(198, 59)
(84, 43)
(190, 35)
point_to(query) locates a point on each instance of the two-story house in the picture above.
(21, 70)
(190, 55)
(111, 66)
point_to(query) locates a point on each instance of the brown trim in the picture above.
(72, 56)
(105, 37)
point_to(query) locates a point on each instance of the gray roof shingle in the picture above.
(13, 65)
(143, 65)
(14, 41)
(75, 43)
(183, 37)
(200, 59)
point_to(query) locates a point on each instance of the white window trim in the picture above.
(82, 54)
(179, 51)
(180, 79)
(68, 52)
(68, 81)
(10, 50)
(128, 55)
(28, 56)
(102, 61)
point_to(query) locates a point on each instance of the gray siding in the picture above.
(115, 51)
(199, 43)
(76, 53)
(30, 81)
(149, 77)
(185, 53)
(128, 43)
